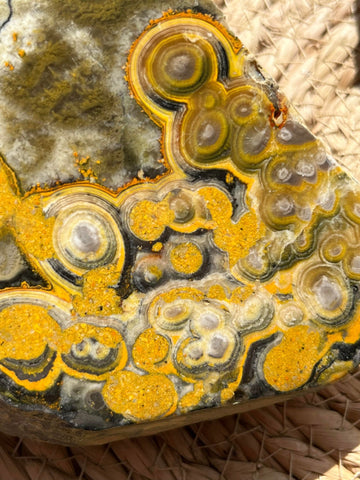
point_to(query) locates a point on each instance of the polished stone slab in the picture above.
(175, 244)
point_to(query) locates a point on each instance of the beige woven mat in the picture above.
(309, 47)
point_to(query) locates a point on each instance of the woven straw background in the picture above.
(311, 48)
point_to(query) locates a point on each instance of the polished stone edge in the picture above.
(41, 426)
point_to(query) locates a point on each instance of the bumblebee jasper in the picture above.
(227, 280)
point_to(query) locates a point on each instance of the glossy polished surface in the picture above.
(232, 276)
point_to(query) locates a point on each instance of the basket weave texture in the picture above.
(311, 48)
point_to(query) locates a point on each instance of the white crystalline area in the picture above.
(328, 293)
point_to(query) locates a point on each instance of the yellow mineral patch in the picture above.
(76, 334)
(298, 344)
(149, 219)
(237, 239)
(140, 397)
(26, 330)
(157, 247)
(218, 204)
(241, 293)
(186, 258)
(234, 238)
(191, 399)
(217, 292)
(9, 65)
(150, 353)
(226, 395)
(8, 191)
(99, 296)
(183, 293)
(33, 230)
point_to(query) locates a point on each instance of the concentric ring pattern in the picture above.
(234, 275)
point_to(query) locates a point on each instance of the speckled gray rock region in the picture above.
(63, 92)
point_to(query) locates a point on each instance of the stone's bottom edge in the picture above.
(47, 428)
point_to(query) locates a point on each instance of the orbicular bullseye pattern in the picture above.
(235, 273)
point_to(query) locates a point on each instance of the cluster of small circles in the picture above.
(292, 171)
(223, 119)
(219, 122)
(92, 349)
(82, 349)
(202, 332)
(176, 206)
(182, 258)
(227, 124)
(291, 179)
(90, 354)
(295, 195)
(344, 248)
(213, 343)
(184, 251)
(338, 249)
